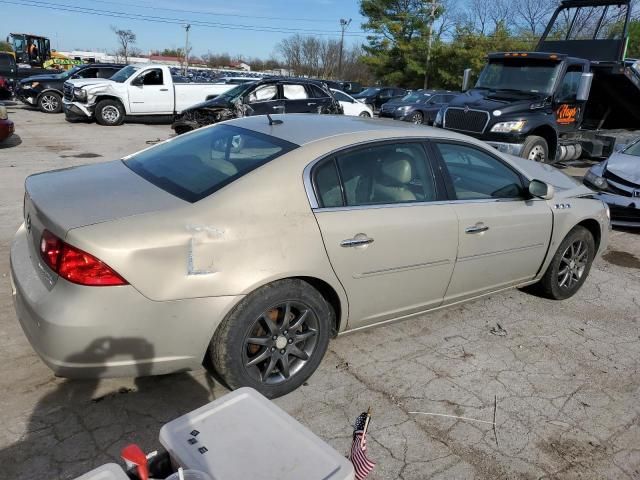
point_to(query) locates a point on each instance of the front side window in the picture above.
(153, 77)
(194, 166)
(263, 93)
(381, 174)
(570, 83)
(476, 175)
(294, 92)
(342, 97)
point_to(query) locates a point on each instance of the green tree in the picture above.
(5, 47)
(633, 50)
(397, 47)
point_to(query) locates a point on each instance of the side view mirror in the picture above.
(466, 79)
(138, 81)
(584, 87)
(540, 189)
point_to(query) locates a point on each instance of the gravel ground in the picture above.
(563, 379)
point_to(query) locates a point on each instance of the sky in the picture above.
(231, 26)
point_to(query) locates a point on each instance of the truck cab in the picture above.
(557, 102)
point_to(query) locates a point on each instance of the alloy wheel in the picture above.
(50, 103)
(573, 264)
(280, 342)
(537, 154)
(417, 118)
(110, 114)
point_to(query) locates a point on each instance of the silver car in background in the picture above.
(252, 242)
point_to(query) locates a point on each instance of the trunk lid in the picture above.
(61, 200)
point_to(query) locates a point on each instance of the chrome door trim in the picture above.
(419, 204)
(501, 252)
(384, 271)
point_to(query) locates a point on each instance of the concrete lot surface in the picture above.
(563, 376)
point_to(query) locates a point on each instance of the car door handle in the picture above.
(164, 89)
(358, 241)
(311, 103)
(477, 228)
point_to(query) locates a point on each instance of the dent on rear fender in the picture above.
(200, 255)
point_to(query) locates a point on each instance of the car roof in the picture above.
(305, 128)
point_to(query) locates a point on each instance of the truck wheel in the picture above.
(569, 266)
(274, 339)
(50, 102)
(536, 149)
(109, 113)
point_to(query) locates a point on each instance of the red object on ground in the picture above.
(133, 454)
(6, 129)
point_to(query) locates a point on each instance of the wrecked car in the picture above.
(268, 96)
(617, 183)
(134, 92)
(246, 245)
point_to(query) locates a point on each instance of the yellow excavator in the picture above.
(35, 51)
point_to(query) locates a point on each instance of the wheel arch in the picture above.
(50, 90)
(550, 135)
(331, 296)
(102, 97)
(593, 226)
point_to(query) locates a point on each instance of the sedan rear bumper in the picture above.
(91, 332)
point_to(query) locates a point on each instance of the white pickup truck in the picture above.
(141, 90)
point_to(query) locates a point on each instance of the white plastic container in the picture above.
(109, 471)
(245, 436)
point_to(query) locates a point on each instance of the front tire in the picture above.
(50, 102)
(365, 114)
(569, 266)
(109, 113)
(274, 339)
(417, 118)
(536, 149)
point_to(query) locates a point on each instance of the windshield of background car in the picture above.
(369, 91)
(235, 92)
(633, 149)
(121, 75)
(416, 97)
(194, 166)
(525, 75)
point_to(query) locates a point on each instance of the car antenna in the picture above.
(272, 121)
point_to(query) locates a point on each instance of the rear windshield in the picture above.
(194, 166)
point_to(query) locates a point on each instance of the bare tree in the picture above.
(126, 39)
(499, 12)
(480, 14)
(533, 15)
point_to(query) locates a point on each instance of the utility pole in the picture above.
(186, 49)
(344, 24)
(432, 19)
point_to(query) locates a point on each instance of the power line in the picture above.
(170, 20)
(218, 14)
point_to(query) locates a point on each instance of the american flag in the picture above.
(358, 456)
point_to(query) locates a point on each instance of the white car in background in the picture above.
(351, 106)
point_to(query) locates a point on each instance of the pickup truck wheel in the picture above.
(536, 149)
(569, 266)
(109, 113)
(50, 102)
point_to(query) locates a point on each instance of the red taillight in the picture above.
(76, 266)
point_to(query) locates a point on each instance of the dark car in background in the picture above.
(267, 96)
(617, 183)
(375, 97)
(6, 125)
(418, 107)
(45, 91)
(8, 75)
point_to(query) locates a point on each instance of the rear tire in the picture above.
(274, 339)
(109, 113)
(50, 102)
(569, 266)
(536, 149)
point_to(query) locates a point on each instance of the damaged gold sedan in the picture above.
(248, 244)
(267, 96)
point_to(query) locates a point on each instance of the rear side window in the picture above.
(88, 73)
(380, 174)
(294, 92)
(194, 166)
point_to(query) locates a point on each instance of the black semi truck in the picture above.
(572, 97)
